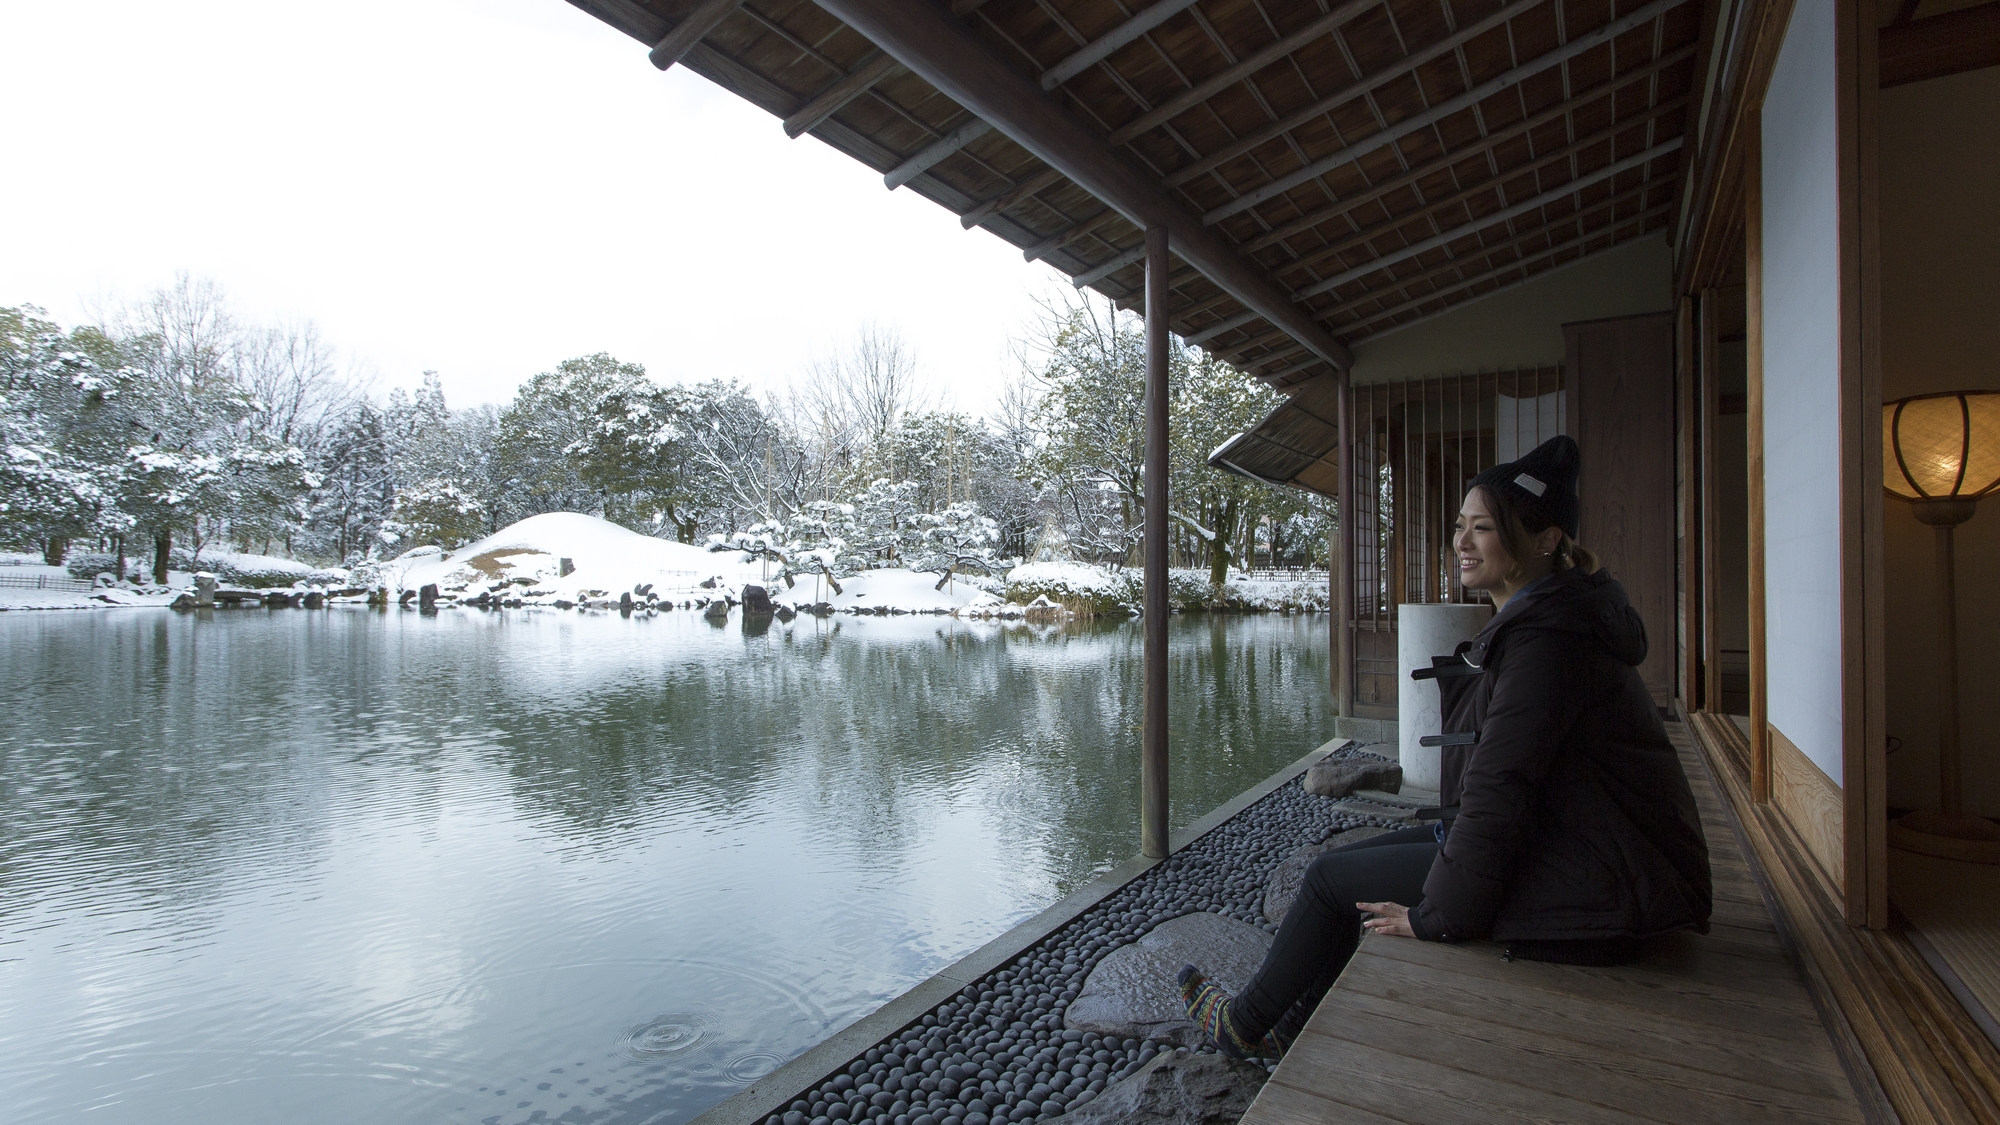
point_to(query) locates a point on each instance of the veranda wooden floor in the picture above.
(1714, 1030)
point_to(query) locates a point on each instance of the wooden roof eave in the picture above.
(1146, 129)
(946, 55)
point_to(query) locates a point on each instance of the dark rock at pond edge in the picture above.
(756, 599)
(1177, 1089)
(716, 610)
(1340, 777)
(786, 613)
(1132, 994)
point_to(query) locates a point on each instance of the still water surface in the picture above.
(345, 866)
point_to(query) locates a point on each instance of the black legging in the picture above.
(1322, 929)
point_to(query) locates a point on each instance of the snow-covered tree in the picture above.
(958, 538)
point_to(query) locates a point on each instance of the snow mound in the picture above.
(891, 591)
(605, 560)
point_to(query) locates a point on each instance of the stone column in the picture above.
(1424, 631)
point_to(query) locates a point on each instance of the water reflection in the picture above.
(509, 867)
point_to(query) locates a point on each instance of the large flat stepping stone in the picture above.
(1131, 993)
(1177, 1089)
(1284, 883)
(1338, 777)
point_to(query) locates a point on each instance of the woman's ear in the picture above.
(1547, 540)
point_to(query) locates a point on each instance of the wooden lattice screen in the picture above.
(1418, 445)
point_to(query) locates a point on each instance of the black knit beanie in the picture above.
(1541, 485)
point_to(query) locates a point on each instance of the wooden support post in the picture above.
(1709, 410)
(1342, 617)
(690, 31)
(1689, 509)
(1153, 765)
(1753, 434)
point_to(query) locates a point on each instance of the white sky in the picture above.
(480, 187)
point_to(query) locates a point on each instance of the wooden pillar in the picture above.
(1694, 589)
(1153, 763)
(1709, 408)
(1342, 562)
(1753, 434)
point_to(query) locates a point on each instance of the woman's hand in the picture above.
(1390, 918)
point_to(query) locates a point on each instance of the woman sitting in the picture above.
(1570, 832)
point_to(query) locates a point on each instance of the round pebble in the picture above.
(1001, 1039)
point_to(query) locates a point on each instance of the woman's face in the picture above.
(1483, 564)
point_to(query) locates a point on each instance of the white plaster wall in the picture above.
(1801, 274)
(1522, 326)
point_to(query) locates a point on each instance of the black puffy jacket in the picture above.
(1575, 820)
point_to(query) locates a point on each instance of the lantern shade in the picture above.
(1942, 446)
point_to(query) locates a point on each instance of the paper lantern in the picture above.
(1942, 446)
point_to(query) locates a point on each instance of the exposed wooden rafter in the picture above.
(1230, 76)
(690, 31)
(1097, 49)
(1359, 328)
(1534, 203)
(1588, 41)
(1435, 207)
(950, 58)
(845, 89)
(1492, 140)
(1014, 196)
(1358, 89)
(1455, 267)
(935, 151)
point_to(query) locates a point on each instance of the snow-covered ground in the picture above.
(523, 565)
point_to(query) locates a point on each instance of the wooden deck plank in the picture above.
(1703, 1030)
(1285, 1105)
(1383, 1082)
(1640, 1086)
(1750, 1053)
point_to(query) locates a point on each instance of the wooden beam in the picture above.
(690, 31)
(1951, 43)
(947, 55)
(1357, 89)
(1012, 198)
(1691, 509)
(1390, 225)
(1218, 328)
(1533, 203)
(935, 151)
(1486, 144)
(852, 85)
(1357, 330)
(1105, 269)
(1484, 252)
(1863, 625)
(1230, 76)
(1096, 50)
(1753, 445)
(1707, 410)
(1153, 764)
(1063, 238)
(1589, 40)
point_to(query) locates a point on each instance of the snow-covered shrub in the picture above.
(1081, 587)
(329, 576)
(258, 572)
(87, 565)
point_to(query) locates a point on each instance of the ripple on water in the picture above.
(751, 1067)
(665, 1035)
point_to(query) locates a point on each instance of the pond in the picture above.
(350, 866)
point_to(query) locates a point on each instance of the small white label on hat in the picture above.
(1531, 484)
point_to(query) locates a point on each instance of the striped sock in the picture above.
(1208, 1006)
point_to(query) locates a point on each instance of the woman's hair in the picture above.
(1516, 535)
